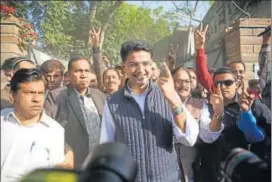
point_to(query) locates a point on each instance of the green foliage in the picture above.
(21, 8)
(63, 26)
(211, 2)
(133, 22)
(55, 29)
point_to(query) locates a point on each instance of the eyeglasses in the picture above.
(238, 71)
(146, 64)
(227, 83)
(185, 82)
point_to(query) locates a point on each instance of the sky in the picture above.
(201, 10)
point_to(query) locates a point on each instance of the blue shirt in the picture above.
(248, 125)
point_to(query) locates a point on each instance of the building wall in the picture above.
(9, 39)
(242, 43)
(224, 13)
(232, 35)
(180, 37)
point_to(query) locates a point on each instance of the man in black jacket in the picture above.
(233, 135)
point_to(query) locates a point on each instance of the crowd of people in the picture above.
(177, 122)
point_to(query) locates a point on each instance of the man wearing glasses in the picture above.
(30, 139)
(146, 117)
(210, 126)
(246, 120)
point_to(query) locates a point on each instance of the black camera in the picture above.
(109, 162)
(241, 165)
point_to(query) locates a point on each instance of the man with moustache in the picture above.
(146, 116)
(52, 71)
(212, 125)
(204, 77)
(155, 72)
(78, 108)
(246, 121)
(233, 134)
(111, 80)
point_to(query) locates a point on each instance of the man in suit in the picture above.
(78, 108)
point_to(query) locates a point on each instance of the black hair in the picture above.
(9, 63)
(190, 68)
(114, 69)
(223, 70)
(24, 75)
(134, 46)
(19, 60)
(52, 64)
(175, 70)
(237, 62)
(212, 70)
(75, 59)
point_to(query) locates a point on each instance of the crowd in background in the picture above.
(176, 121)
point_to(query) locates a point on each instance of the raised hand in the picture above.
(106, 61)
(245, 99)
(200, 37)
(217, 101)
(166, 84)
(172, 56)
(94, 37)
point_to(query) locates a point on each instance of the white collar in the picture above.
(43, 120)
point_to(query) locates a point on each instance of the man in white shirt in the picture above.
(146, 117)
(29, 138)
(210, 126)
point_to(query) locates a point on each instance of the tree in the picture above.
(63, 26)
(133, 22)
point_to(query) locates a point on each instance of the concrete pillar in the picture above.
(10, 38)
(242, 43)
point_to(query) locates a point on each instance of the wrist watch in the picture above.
(219, 117)
(178, 110)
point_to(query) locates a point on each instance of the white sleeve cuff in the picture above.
(191, 130)
(207, 135)
(205, 132)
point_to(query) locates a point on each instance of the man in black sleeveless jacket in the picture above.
(146, 117)
(233, 134)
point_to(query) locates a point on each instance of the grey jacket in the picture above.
(63, 105)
